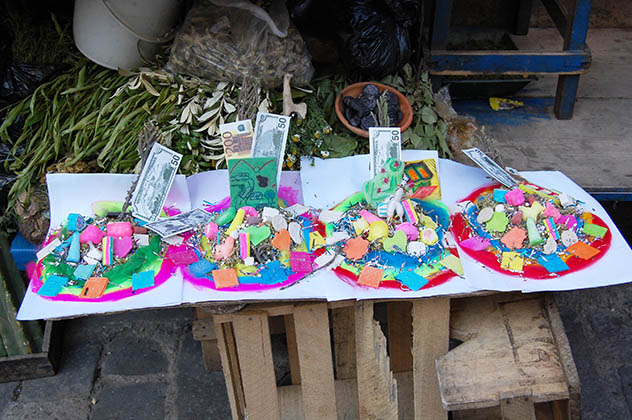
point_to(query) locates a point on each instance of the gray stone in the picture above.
(201, 394)
(65, 409)
(74, 378)
(7, 391)
(131, 355)
(136, 401)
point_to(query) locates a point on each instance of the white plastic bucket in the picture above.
(113, 33)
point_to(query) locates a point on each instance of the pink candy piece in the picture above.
(122, 246)
(515, 197)
(249, 211)
(301, 262)
(476, 243)
(183, 257)
(412, 234)
(119, 229)
(369, 217)
(244, 245)
(551, 211)
(569, 220)
(91, 234)
(210, 230)
(225, 249)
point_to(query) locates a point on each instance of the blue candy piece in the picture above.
(140, 222)
(142, 280)
(249, 279)
(52, 286)
(552, 263)
(74, 253)
(274, 273)
(499, 196)
(75, 222)
(411, 280)
(84, 271)
(201, 268)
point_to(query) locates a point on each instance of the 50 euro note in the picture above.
(237, 139)
(154, 182)
(270, 138)
(384, 143)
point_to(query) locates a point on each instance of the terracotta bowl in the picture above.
(355, 90)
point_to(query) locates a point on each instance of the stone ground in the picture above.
(146, 365)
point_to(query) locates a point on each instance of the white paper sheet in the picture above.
(212, 187)
(75, 193)
(328, 182)
(458, 181)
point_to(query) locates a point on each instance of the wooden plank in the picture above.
(558, 14)
(271, 309)
(252, 335)
(230, 365)
(523, 17)
(431, 328)
(292, 351)
(377, 389)
(344, 342)
(444, 62)
(291, 399)
(205, 333)
(400, 335)
(517, 408)
(11, 331)
(508, 348)
(573, 406)
(315, 358)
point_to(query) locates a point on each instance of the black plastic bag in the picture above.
(20, 80)
(375, 35)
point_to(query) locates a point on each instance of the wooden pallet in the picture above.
(514, 363)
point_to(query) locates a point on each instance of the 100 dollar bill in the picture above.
(180, 223)
(237, 139)
(270, 138)
(154, 182)
(491, 167)
(384, 143)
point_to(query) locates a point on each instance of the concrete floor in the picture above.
(145, 365)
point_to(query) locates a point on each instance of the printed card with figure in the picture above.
(253, 182)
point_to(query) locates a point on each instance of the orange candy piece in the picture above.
(514, 238)
(371, 277)
(282, 240)
(356, 248)
(226, 277)
(582, 250)
(94, 288)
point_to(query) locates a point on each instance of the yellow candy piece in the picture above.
(237, 221)
(429, 236)
(531, 212)
(360, 225)
(428, 222)
(378, 230)
(512, 261)
(316, 240)
(285, 258)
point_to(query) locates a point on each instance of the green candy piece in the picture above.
(498, 222)
(397, 243)
(534, 235)
(258, 234)
(597, 231)
(145, 255)
(226, 217)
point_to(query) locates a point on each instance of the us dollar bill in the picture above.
(154, 182)
(237, 139)
(270, 138)
(491, 167)
(384, 143)
(180, 223)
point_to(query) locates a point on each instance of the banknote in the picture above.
(270, 138)
(384, 143)
(180, 223)
(491, 167)
(237, 138)
(154, 182)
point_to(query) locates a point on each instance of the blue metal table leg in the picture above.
(574, 39)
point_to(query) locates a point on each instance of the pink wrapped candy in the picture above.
(412, 234)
